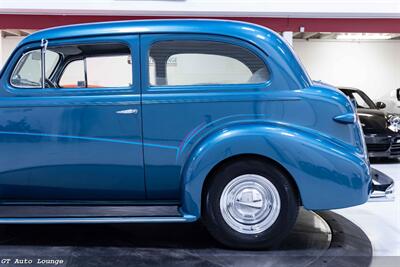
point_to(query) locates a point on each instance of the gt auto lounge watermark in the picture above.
(31, 261)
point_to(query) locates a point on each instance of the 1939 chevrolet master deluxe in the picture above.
(172, 121)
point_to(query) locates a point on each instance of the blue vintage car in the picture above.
(173, 121)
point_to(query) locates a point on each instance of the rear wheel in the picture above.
(250, 204)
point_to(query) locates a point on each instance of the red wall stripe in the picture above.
(10, 21)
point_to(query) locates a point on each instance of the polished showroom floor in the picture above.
(380, 220)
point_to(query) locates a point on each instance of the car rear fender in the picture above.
(328, 173)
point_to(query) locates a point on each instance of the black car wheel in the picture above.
(250, 204)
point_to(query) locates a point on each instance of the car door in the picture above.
(73, 141)
(193, 84)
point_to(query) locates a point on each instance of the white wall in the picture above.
(8, 46)
(373, 66)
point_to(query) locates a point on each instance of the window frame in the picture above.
(131, 41)
(147, 40)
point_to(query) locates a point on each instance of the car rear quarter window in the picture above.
(180, 63)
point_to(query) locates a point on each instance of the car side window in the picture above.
(360, 101)
(74, 75)
(27, 73)
(196, 62)
(98, 72)
(103, 65)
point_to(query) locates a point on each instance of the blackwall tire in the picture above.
(249, 204)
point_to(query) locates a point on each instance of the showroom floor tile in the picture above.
(380, 220)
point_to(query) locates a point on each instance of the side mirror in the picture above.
(398, 93)
(380, 105)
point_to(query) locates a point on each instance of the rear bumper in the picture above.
(382, 187)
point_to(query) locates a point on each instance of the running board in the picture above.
(91, 214)
(81, 220)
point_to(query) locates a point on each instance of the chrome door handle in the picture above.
(128, 111)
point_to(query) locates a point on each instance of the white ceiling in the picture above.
(267, 8)
(15, 32)
(334, 35)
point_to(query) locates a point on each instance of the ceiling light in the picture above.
(363, 36)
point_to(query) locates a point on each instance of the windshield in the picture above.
(362, 100)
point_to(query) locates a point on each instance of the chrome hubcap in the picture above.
(250, 204)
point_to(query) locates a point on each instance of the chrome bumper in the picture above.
(382, 187)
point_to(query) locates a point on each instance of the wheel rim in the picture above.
(250, 204)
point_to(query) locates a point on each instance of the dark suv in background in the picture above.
(381, 129)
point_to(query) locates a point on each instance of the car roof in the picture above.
(244, 30)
